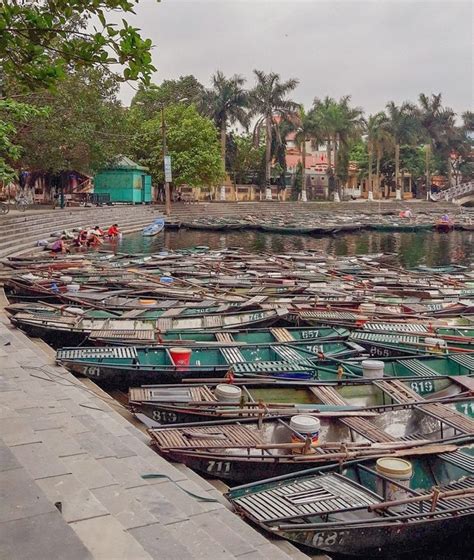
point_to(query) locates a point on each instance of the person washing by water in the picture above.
(59, 246)
(113, 231)
(98, 231)
(93, 239)
(81, 239)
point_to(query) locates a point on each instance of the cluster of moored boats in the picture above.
(321, 223)
(347, 381)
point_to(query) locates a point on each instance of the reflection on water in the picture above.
(428, 248)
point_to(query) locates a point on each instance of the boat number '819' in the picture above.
(421, 387)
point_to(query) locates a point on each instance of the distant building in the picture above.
(124, 181)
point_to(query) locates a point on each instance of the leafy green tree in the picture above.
(81, 122)
(192, 144)
(13, 115)
(247, 161)
(41, 41)
(150, 98)
(227, 102)
(268, 99)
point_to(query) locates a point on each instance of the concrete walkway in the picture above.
(71, 485)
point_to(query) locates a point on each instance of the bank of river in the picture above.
(411, 249)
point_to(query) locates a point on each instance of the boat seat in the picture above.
(465, 360)
(452, 418)
(397, 391)
(282, 334)
(305, 498)
(272, 367)
(418, 368)
(97, 353)
(224, 337)
(232, 355)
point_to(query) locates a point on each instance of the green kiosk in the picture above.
(124, 181)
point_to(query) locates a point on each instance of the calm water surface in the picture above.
(426, 248)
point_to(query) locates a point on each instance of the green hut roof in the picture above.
(124, 162)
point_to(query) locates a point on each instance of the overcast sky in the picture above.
(376, 51)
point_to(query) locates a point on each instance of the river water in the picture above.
(411, 248)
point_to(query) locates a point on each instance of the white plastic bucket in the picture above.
(73, 288)
(66, 279)
(372, 369)
(305, 426)
(435, 345)
(398, 470)
(228, 393)
(367, 307)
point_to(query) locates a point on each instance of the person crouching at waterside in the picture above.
(113, 231)
(93, 240)
(59, 246)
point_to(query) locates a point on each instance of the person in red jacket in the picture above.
(113, 231)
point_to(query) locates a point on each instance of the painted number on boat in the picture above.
(92, 371)
(256, 316)
(320, 540)
(218, 467)
(422, 387)
(165, 416)
(466, 408)
(309, 334)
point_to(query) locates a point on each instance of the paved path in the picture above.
(70, 478)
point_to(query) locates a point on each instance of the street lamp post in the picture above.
(165, 154)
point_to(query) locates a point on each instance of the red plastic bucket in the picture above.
(181, 356)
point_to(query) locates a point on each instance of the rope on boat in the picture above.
(188, 492)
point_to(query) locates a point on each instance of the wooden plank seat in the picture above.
(367, 429)
(224, 337)
(129, 334)
(271, 367)
(465, 360)
(97, 353)
(418, 368)
(398, 391)
(282, 334)
(232, 355)
(452, 418)
(290, 354)
(306, 498)
(206, 437)
(396, 327)
(327, 395)
(392, 338)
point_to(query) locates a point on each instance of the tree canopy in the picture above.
(192, 144)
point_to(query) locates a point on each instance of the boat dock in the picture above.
(72, 477)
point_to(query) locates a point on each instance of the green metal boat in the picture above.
(357, 510)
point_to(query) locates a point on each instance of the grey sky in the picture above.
(374, 50)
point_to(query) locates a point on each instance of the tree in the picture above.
(306, 128)
(83, 127)
(192, 144)
(378, 142)
(269, 99)
(13, 115)
(150, 98)
(403, 129)
(227, 102)
(434, 121)
(341, 124)
(247, 160)
(41, 41)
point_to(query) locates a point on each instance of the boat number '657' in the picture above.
(218, 467)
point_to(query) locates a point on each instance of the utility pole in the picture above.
(165, 154)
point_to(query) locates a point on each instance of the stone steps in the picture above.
(78, 453)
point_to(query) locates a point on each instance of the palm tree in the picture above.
(436, 123)
(345, 124)
(268, 99)
(322, 110)
(403, 128)
(378, 141)
(305, 126)
(227, 103)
